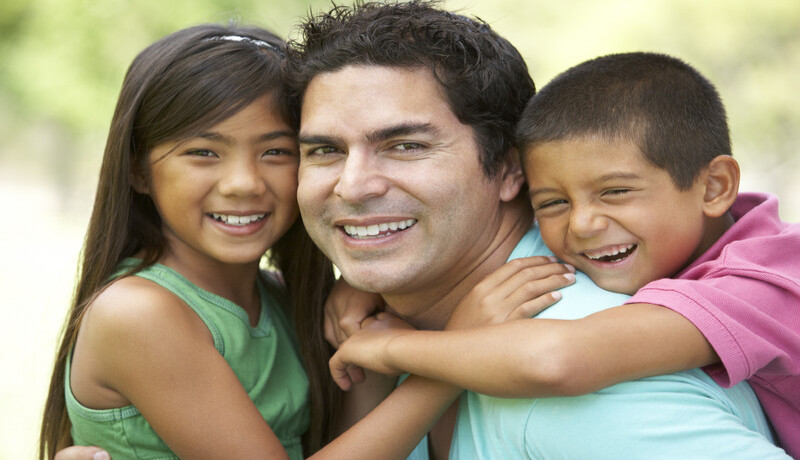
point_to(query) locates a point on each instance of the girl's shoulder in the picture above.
(138, 304)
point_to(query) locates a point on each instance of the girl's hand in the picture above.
(82, 453)
(363, 349)
(345, 309)
(519, 289)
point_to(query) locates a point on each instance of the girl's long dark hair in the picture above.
(175, 88)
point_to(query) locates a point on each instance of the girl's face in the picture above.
(229, 193)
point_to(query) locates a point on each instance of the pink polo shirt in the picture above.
(743, 294)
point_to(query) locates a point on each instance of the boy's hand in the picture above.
(519, 289)
(363, 349)
(345, 309)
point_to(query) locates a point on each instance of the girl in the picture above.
(175, 340)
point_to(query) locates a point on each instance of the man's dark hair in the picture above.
(660, 103)
(484, 78)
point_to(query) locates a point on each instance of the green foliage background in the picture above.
(62, 62)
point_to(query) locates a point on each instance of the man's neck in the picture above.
(426, 310)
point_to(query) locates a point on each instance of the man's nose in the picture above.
(361, 177)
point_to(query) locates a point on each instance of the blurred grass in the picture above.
(55, 105)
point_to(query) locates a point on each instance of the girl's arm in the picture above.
(141, 344)
(537, 357)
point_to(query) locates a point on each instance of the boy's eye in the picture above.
(616, 191)
(550, 204)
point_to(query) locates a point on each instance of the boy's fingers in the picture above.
(355, 373)
(339, 373)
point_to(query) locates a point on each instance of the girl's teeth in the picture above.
(237, 220)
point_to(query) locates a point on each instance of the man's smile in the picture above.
(377, 230)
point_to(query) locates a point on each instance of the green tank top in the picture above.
(264, 358)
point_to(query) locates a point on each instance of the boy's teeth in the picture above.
(608, 254)
(237, 220)
(369, 231)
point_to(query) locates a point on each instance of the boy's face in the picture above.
(604, 208)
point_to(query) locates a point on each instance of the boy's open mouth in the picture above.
(611, 254)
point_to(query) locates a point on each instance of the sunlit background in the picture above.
(62, 62)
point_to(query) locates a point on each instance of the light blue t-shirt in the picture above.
(682, 415)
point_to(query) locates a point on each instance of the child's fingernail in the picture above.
(569, 276)
(552, 258)
(570, 267)
(102, 455)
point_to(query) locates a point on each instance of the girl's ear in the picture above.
(511, 176)
(139, 182)
(721, 185)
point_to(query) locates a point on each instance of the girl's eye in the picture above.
(201, 153)
(275, 152)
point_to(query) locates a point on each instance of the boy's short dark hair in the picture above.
(660, 103)
(484, 78)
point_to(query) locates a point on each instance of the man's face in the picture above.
(604, 208)
(390, 183)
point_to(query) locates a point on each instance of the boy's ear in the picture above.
(721, 185)
(511, 176)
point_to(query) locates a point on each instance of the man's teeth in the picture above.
(359, 231)
(611, 253)
(237, 220)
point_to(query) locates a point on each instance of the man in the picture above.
(409, 182)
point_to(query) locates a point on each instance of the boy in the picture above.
(630, 173)
(632, 182)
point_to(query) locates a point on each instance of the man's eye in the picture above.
(408, 146)
(324, 150)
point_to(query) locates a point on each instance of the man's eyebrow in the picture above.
(403, 129)
(315, 139)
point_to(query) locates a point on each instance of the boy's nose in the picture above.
(586, 221)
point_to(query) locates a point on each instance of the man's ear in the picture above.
(511, 176)
(721, 178)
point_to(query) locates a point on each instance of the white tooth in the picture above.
(401, 225)
(614, 252)
(393, 226)
(362, 231)
(349, 229)
(244, 220)
(372, 230)
(383, 227)
(410, 222)
(215, 215)
(233, 220)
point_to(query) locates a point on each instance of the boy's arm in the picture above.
(538, 357)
